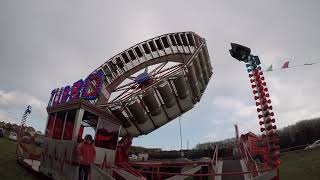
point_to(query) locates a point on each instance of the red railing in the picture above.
(154, 170)
(249, 162)
(214, 160)
(166, 174)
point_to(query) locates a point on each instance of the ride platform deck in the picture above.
(230, 166)
(31, 164)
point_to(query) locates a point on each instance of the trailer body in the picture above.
(254, 145)
(66, 127)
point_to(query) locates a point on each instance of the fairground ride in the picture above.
(132, 94)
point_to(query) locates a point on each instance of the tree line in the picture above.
(301, 133)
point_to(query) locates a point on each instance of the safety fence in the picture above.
(151, 174)
(249, 162)
(207, 169)
(23, 152)
(173, 169)
(214, 160)
(168, 170)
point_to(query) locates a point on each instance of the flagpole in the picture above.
(180, 138)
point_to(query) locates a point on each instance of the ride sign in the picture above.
(88, 90)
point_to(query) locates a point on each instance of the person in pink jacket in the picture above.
(86, 154)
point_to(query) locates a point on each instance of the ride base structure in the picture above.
(132, 94)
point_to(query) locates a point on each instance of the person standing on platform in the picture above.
(86, 154)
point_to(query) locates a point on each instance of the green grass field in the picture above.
(10, 169)
(295, 165)
(301, 165)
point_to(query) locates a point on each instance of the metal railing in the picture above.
(249, 162)
(214, 160)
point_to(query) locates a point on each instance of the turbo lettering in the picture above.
(58, 96)
(76, 90)
(65, 94)
(88, 90)
(96, 80)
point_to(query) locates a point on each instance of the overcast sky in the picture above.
(50, 44)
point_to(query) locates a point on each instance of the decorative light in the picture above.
(264, 101)
(272, 134)
(98, 79)
(53, 92)
(258, 84)
(271, 127)
(270, 120)
(266, 114)
(65, 94)
(264, 94)
(76, 90)
(57, 97)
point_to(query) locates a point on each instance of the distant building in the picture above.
(154, 149)
(143, 156)
(246, 138)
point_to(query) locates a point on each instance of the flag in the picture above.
(285, 65)
(269, 68)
